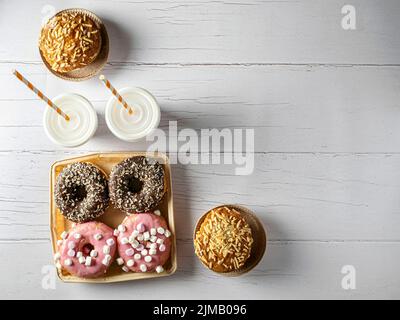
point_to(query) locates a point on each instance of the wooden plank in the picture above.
(291, 109)
(240, 31)
(289, 270)
(322, 197)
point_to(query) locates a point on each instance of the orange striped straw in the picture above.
(41, 95)
(115, 93)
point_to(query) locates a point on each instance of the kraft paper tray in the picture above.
(113, 217)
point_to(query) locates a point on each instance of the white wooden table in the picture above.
(325, 106)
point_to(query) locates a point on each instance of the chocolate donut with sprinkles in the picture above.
(137, 184)
(81, 192)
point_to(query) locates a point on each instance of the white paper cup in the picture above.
(81, 126)
(133, 127)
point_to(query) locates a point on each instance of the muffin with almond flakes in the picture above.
(224, 240)
(70, 41)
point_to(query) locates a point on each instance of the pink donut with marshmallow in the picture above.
(87, 250)
(144, 243)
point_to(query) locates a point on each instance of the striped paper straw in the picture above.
(115, 93)
(41, 95)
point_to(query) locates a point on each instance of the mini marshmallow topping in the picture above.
(110, 242)
(135, 243)
(93, 253)
(88, 261)
(157, 212)
(116, 232)
(57, 256)
(59, 242)
(64, 235)
(130, 263)
(98, 236)
(125, 268)
(143, 268)
(106, 249)
(68, 262)
(71, 253)
(167, 233)
(71, 245)
(121, 228)
(88, 252)
(141, 227)
(77, 236)
(120, 261)
(134, 233)
(144, 229)
(106, 260)
(129, 252)
(162, 247)
(159, 269)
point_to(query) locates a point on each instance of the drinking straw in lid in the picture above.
(115, 93)
(41, 95)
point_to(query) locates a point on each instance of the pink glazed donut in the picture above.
(87, 250)
(144, 243)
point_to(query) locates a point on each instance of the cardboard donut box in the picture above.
(113, 217)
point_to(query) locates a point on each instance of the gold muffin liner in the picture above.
(94, 67)
(113, 217)
(258, 247)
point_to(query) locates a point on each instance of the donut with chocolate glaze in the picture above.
(81, 192)
(137, 184)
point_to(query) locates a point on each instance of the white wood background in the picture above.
(325, 106)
